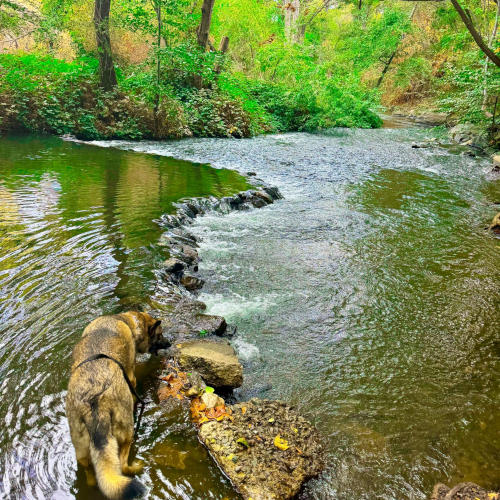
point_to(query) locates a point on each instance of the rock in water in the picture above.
(266, 449)
(190, 282)
(173, 265)
(215, 361)
(495, 224)
(463, 491)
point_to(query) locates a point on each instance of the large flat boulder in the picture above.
(215, 361)
(266, 449)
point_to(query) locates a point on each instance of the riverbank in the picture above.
(48, 95)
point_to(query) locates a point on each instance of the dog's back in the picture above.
(99, 404)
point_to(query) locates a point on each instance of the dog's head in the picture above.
(148, 334)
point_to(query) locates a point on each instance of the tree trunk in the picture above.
(466, 18)
(157, 6)
(486, 60)
(389, 61)
(224, 45)
(107, 75)
(292, 11)
(206, 18)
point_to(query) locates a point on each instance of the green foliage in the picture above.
(45, 94)
(413, 72)
(465, 85)
(322, 77)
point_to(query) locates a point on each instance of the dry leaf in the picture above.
(280, 443)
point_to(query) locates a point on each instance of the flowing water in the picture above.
(368, 297)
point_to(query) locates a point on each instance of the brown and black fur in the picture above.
(100, 405)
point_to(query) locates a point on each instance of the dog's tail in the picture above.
(106, 461)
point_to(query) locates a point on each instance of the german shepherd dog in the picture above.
(100, 404)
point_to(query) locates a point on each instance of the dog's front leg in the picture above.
(131, 377)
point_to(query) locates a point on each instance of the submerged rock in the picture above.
(186, 253)
(463, 491)
(266, 449)
(495, 224)
(215, 361)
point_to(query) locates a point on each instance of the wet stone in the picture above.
(215, 361)
(258, 202)
(187, 326)
(191, 283)
(266, 449)
(264, 196)
(273, 192)
(495, 224)
(463, 491)
(173, 265)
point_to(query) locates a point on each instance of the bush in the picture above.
(44, 94)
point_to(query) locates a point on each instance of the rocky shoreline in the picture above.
(265, 448)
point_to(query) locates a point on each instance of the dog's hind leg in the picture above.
(81, 442)
(83, 458)
(136, 467)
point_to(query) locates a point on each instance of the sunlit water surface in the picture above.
(368, 298)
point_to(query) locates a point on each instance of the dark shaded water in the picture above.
(368, 297)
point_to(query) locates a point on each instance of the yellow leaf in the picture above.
(294, 429)
(230, 457)
(243, 409)
(243, 442)
(280, 443)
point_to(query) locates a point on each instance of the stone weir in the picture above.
(265, 448)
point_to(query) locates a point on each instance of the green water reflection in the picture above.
(78, 240)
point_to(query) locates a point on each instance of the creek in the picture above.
(368, 297)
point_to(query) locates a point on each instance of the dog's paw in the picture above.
(136, 467)
(91, 480)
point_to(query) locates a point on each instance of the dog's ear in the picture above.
(152, 329)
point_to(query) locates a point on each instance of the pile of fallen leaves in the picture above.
(176, 383)
(176, 386)
(201, 414)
